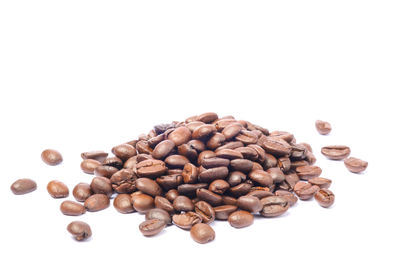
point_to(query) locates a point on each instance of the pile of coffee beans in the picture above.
(191, 173)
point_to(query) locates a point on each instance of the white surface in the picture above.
(84, 75)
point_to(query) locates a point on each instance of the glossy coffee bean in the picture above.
(23, 186)
(355, 165)
(176, 161)
(202, 233)
(276, 174)
(308, 172)
(96, 155)
(101, 185)
(190, 173)
(223, 212)
(124, 151)
(204, 131)
(320, 182)
(183, 203)
(270, 161)
(82, 191)
(168, 182)
(89, 165)
(97, 202)
(336, 152)
(236, 178)
(205, 211)
(208, 196)
(105, 171)
(259, 192)
(305, 190)
(163, 149)
(124, 181)
(72, 208)
(151, 227)
(215, 141)
(261, 177)
(148, 186)
(242, 165)
(229, 154)
(230, 145)
(207, 117)
(275, 146)
(205, 155)
(212, 174)
(151, 168)
(240, 219)
(324, 197)
(164, 204)
(232, 130)
(250, 203)
(142, 203)
(289, 196)
(79, 230)
(219, 186)
(171, 194)
(240, 189)
(274, 206)
(51, 157)
(186, 220)
(57, 189)
(288, 137)
(189, 190)
(247, 137)
(323, 127)
(215, 162)
(123, 203)
(180, 135)
(248, 153)
(159, 214)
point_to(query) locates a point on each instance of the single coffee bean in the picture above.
(305, 190)
(72, 208)
(142, 202)
(189, 190)
(151, 168)
(124, 181)
(240, 219)
(96, 155)
(242, 165)
(148, 186)
(180, 135)
(223, 212)
(105, 171)
(114, 162)
(220, 124)
(51, 157)
(232, 130)
(259, 192)
(212, 174)
(230, 145)
(124, 151)
(23, 186)
(159, 214)
(186, 220)
(97, 202)
(80, 230)
(176, 161)
(215, 162)
(229, 154)
(142, 157)
(310, 158)
(276, 174)
(101, 185)
(308, 172)
(298, 152)
(202, 233)
(336, 152)
(247, 137)
(131, 163)
(288, 137)
(228, 200)
(274, 206)
(215, 141)
(168, 182)
(290, 197)
(261, 177)
(248, 153)
(323, 127)
(207, 117)
(89, 165)
(240, 189)
(82, 191)
(204, 131)
(219, 186)
(355, 165)
(206, 154)
(57, 189)
(324, 197)
(291, 179)
(205, 211)
(194, 124)
(164, 204)
(163, 149)
(156, 140)
(183, 203)
(190, 173)
(284, 163)
(249, 203)
(270, 161)
(275, 146)
(151, 227)
(208, 196)
(172, 194)
(298, 163)
(123, 203)
(236, 178)
(143, 147)
(321, 182)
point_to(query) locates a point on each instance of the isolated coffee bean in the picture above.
(249, 203)
(97, 202)
(305, 190)
(219, 186)
(320, 182)
(207, 117)
(205, 211)
(336, 152)
(124, 151)
(57, 189)
(142, 203)
(159, 214)
(180, 135)
(202, 233)
(72, 208)
(186, 220)
(23, 186)
(51, 157)
(240, 219)
(148, 186)
(80, 230)
(96, 155)
(324, 197)
(82, 191)
(355, 165)
(123, 203)
(101, 185)
(163, 149)
(89, 165)
(223, 212)
(323, 127)
(151, 227)
(274, 206)
(308, 172)
(164, 204)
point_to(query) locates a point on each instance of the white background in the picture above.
(86, 75)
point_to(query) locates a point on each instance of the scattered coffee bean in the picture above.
(151, 227)
(240, 219)
(324, 197)
(202, 233)
(355, 165)
(82, 191)
(97, 202)
(96, 155)
(336, 152)
(123, 203)
(186, 220)
(57, 189)
(51, 157)
(274, 206)
(159, 214)
(101, 185)
(72, 208)
(89, 165)
(80, 230)
(23, 186)
(323, 127)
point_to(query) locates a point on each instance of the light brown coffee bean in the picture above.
(80, 230)
(308, 172)
(72, 208)
(124, 151)
(151, 227)
(274, 206)
(183, 203)
(57, 189)
(305, 190)
(289, 196)
(159, 214)
(323, 127)
(163, 149)
(219, 186)
(325, 198)
(223, 212)
(51, 157)
(96, 155)
(163, 203)
(82, 191)
(97, 202)
(180, 135)
(275, 146)
(205, 211)
(355, 165)
(336, 152)
(207, 117)
(142, 202)
(186, 220)
(250, 203)
(123, 203)
(148, 186)
(240, 219)
(101, 185)
(321, 182)
(202, 233)
(261, 177)
(89, 165)
(23, 186)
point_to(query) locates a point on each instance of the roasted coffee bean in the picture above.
(236, 178)
(284, 163)
(249, 203)
(151, 168)
(123, 203)
(105, 171)
(219, 186)
(288, 137)
(247, 137)
(186, 220)
(298, 163)
(240, 219)
(207, 117)
(114, 162)
(290, 197)
(101, 185)
(270, 161)
(230, 145)
(97, 202)
(205, 211)
(210, 175)
(323, 127)
(124, 181)
(161, 128)
(240, 189)
(229, 154)
(190, 173)
(143, 147)
(202, 233)
(242, 165)
(51, 157)
(276, 174)
(180, 135)
(163, 149)
(291, 179)
(305, 190)
(96, 155)
(151, 227)
(248, 153)
(324, 197)
(355, 165)
(189, 190)
(124, 151)
(215, 162)
(298, 152)
(159, 214)
(148, 186)
(80, 230)
(308, 172)
(310, 158)
(275, 146)
(168, 182)
(82, 191)
(176, 161)
(259, 192)
(171, 194)
(194, 124)
(220, 124)
(131, 163)
(232, 130)
(274, 206)
(223, 212)
(143, 157)
(257, 167)
(261, 177)
(215, 141)
(89, 165)
(23, 186)
(336, 152)
(203, 131)
(57, 189)
(156, 140)
(142, 202)
(208, 196)
(163, 203)
(321, 182)
(228, 200)
(72, 208)
(205, 155)
(183, 203)
(188, 151)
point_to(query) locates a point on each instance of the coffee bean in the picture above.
(204, 131)
(259, 192)
(270, 161)
(101, 185)
(151, 168)
(308, 172)
(172, 194)
(248, 153)
(249, 203)
(336, 152)
(207, 117)
(236, 178)
(290, 197)
(80, 230)
(123, 203)
(355, 165)
(275, 146)
(183, 203)
(288, 137)
(57, 189)
(163, 149)
(323, 127)
(232, 130)
(51, 157)
(97, 202)
(142, 203)
(190, 173)
(148, 186)
(228, 200)
(208, 196)
(72, 208)
(284, 163)
(229, 154)
(180, 135)
(89, 165)
(240, 189)
(305, 190)
(159, 214)
(320, 182)
(168, 182)
(261, 177)
(324, 197)
(202, 233)
(189, 190)
(176, 161)
(151, 227)
(163, 203)
(215, 162)
(240, 219)
(205, 211)
(230, 145)
(247, 137)
(105, 171)
(215, 141)
(124, 181)
(276, 174)
(223, 212)
(113, 162)
(186, 220)
(219, 186)
(82, 191)
(23, 186)
(96, 155)
(242, 165)
(143, 147)
(124, 151)
(212, 174)
(274, 206)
